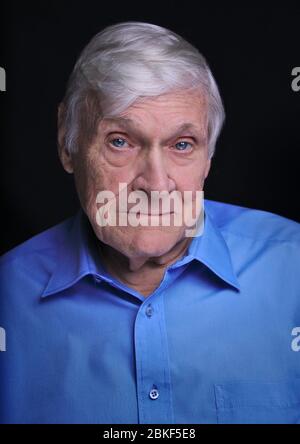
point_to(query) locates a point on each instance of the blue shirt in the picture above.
(217, 342)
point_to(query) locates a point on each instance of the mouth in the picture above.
(138, 213)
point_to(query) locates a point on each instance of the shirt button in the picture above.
(149, 311)
(154, 394)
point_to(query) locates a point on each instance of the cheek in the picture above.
(191, 176)
(192, 181)
(89, 180)
(106, 176)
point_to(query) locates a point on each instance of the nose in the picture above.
(153, 173)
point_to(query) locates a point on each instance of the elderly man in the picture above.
(151, 305)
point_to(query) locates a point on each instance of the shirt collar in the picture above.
(78, 256)
(211, 249)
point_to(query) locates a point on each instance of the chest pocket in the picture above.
(258, 402)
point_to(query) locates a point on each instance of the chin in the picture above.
(153, 243)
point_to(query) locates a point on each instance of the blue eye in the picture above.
(118, 142)
(181, 146)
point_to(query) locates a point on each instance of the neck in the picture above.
(143, 274)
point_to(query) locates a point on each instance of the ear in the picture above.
(208, 165)
(64, 155)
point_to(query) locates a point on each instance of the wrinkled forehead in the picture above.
(171, 113)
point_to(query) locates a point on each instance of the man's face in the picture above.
(158, 144)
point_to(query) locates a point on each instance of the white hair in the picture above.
(130, 61)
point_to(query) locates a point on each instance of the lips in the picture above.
(138, 213)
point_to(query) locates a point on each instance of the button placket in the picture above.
(153, 374)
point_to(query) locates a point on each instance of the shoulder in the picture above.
(251, 223)
(44, 244)
(26, 269)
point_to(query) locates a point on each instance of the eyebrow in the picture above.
(127, 123)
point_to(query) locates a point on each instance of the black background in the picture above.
(251, 50)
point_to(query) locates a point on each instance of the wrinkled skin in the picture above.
(146, 148)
